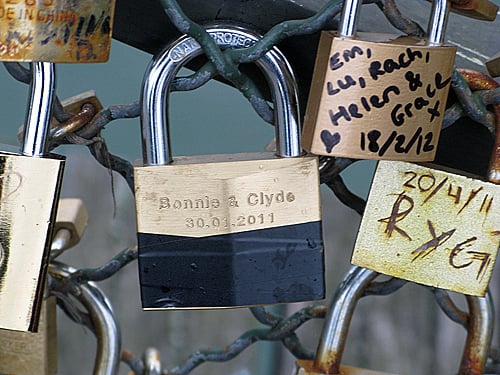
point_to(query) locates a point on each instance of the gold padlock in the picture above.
(219, 231)
(56, 30)
(379, 96)
(30, 185)
(328, 358)
(28, 353)
(432, 225)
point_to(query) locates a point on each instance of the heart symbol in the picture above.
(330, 140)
(14, 182)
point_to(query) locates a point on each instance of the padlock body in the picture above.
(431, 226)
(303, 367)
(58, 31)
(27, 353)
(377, 100)
(236, 230)
(28, 202)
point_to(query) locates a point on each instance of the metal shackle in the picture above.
(164, 67)
(334, 334)
(435, 30)
(103, 319)
(37, 121)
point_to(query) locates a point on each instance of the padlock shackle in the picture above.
(164, 67)
(479, 334)
(436, 29)
(37, 121)
(438, 20)
(338, 319)
(100, 310)
(348, 23)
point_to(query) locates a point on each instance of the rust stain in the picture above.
(56, 31)
(480, 81)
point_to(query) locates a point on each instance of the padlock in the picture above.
(30, 184)
(28, 353)
(493, 65)
(432, 225)
(79, 110)
(226, 230)
(483, 10)
(379, 96)
(56, 30)
(331, 344)
(71, 222)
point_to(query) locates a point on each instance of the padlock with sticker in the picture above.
(379, 96)
(328, 357)
(433, 225)
(226, 230)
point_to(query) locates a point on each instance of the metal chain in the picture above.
(278, 328)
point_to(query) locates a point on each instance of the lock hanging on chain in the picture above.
(30, 185)
(379, 96)
(328, 358)
(432, 225)
(226, 230)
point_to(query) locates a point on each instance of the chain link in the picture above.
(471, 104)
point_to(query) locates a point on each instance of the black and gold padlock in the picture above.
(30, 184)
(328, 358)
(56, 30)
(379, 96)
(226, 230)
(433, 225)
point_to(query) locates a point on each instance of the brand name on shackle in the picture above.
(221, 37)
(206, 202)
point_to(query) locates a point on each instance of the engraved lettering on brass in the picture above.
(431, 226)
(397, 215)
(433, 243)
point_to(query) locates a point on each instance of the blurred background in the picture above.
(404, 333)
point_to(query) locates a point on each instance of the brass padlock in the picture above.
(56, 30)
(483, 10)
(226, 230)
(28, 353)
(328, 358)
(379, 96)
(30, 184)
(432, 225)
(71, 222)
(493, 65)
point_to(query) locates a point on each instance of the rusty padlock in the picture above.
(432, 225)
(379, 98)
(56, 30)
(226, 230)
(328, 358)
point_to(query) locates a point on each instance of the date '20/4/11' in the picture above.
(430, 226)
